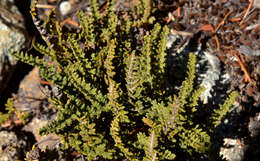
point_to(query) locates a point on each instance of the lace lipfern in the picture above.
(112, 77)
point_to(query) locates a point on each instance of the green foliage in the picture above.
(219, 113)
(9, 106)
(12, 111)
(144, 9)
(114, 101)
(3, 117)
(25, 117)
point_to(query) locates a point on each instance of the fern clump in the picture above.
(112, 76)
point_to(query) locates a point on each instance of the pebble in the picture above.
(65, 8)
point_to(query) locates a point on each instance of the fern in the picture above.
(219, 113)
(9, 106)
(114, 102)
(150, 152)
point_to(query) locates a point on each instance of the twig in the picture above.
(69, 21)
(241, 58)
(251, 27)
(45, 6)
(210, 28)
(247, 77)
(235, 19)
(44, 82)
(223, 21)
(182, 33)
(251, 2)
(135, 131)
(206, 28)
(217, 43)
(179, 9)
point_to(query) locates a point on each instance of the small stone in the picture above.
(9, 146)
(232, 151)
(65, 8)
(47, 141)
(258, 117)
(256, 3)
(254, 127)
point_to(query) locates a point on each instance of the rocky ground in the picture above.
(225, 35)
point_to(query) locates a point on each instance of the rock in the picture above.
(9, 146)
(233, 151)
(256, 3)
(13, 37)
(32, 98)
(30, 95)
(254, 126)
(50, 141)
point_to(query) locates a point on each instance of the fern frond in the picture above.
(9, 106)
(174, 110)
(145, 60)
(110, 7)
(144, 9)
(195, 97)
(194, 138)
(132, 76)
(114, 129)
(187, 84)
(160, 114)
(149, 147)
(80, 83)
(108, 63)
(219, 113)
(161, 48)
(95, 9)
(113, 95)
(29, 59)
(159, 59)
(88, 28)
